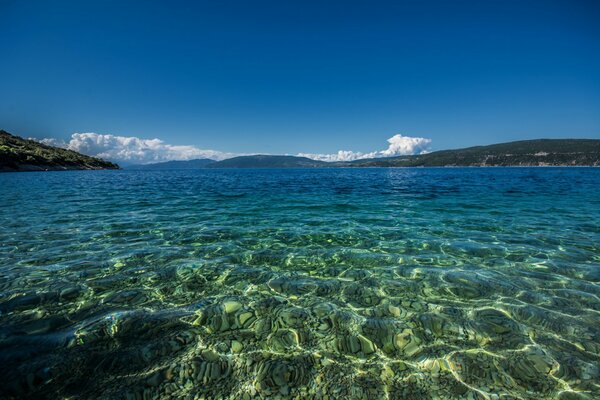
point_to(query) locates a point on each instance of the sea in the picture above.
(342, 283)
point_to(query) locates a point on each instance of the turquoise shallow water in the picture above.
(326, 284)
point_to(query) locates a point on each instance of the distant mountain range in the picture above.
(189, 164)
(541, 152)
(267, 161)
(255, 161)
(18, 154)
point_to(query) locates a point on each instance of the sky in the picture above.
(146, 81)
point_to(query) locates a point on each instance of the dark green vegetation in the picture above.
(18, 154)
(541, 152)
(189, 164)
(266, 161)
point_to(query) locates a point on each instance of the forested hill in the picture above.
(18, 154)
(541, 152)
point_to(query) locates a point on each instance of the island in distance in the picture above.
(188, 164)
(18, 154)
(525, 153)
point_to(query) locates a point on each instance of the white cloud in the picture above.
(133, 150)
(398, 146)
(130, 149)
(52, 142)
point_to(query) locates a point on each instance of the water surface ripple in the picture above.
(325, 284)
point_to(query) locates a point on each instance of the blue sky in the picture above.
(301, 76)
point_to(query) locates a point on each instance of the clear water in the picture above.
(343, 283)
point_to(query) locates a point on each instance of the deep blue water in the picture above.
(356, 283)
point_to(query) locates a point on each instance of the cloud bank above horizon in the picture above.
(134, 150)
(398, 146)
